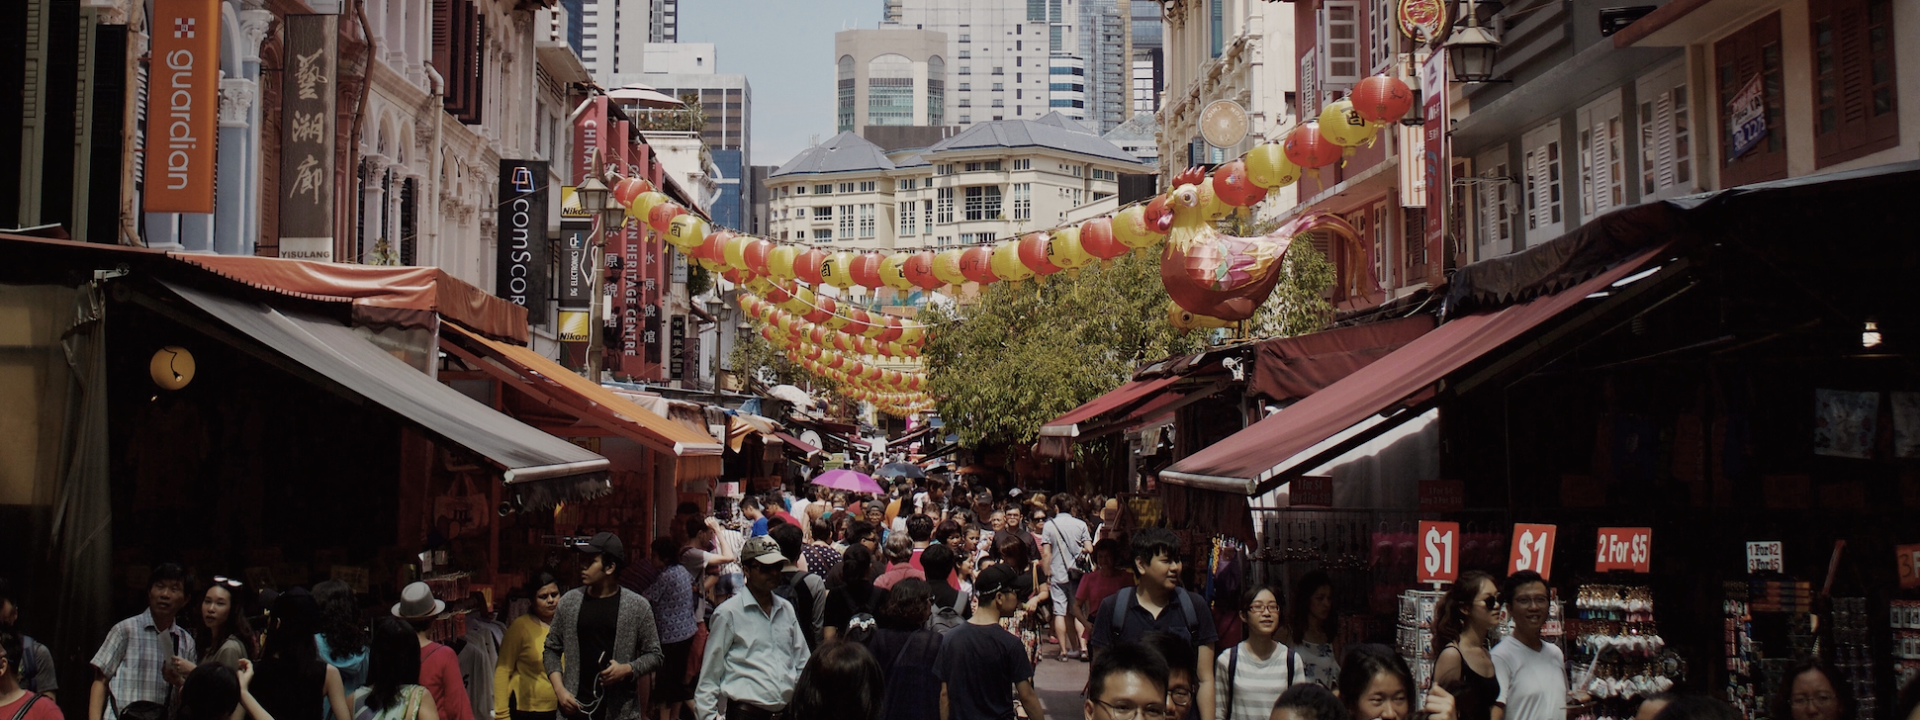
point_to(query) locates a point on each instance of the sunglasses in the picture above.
(1492, 603)
(227, 581)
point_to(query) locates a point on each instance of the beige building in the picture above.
(1245, 56)
(889, 77)
(992, 181)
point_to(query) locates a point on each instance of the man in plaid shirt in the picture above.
(143, 656)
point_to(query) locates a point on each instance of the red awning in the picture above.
(1281, 443)
(381, 295)
(1119, 398)
(796, 443)
(1295, 367)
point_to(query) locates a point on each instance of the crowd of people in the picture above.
(929, 602)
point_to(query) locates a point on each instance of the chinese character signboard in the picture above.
(520, 257)
(677, 355)
(306, 138)
(1310, 491)
(183, 98)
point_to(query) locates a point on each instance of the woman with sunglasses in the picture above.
(224, 636)
(521, 689)
(1465, 615)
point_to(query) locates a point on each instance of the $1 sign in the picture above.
(1532, 550)
(1439, 552)
(1624, 548)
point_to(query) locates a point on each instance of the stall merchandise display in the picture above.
(1852, 652)
(1770, 624)
(1617, 654)
(1415, 633)
(1741, 690)
(1905, 621)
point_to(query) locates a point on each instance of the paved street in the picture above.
(1059, 684)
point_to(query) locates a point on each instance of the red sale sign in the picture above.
(1532, 550)
(1439, 552)
(1909, 556)
(1624, 548)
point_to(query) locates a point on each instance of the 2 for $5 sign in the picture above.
(1624, 548)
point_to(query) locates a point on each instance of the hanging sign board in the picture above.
(1310, 491)
(1624, 548)
(1438, 496)
(1437, 160)
(1747, 119)
(306, 138)
(184, 96)
(520, 259)
(1422, 20)
(1765, 557)
(1439, 552)
(1532, 550)
(1909, 557)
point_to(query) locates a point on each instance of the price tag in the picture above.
(1765, 557)
(1439, 552)
(1624, 548)
(1532, 550)
(1909, 556)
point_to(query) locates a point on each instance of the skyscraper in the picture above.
(893, 76)
(1103, 34)
(1002, 55)
(609, 25)
(1147, 56)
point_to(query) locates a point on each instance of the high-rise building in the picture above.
(608, 26)
(1103, 35)
(889, 77)
(1146, 57)
(1000, 55)
(727, 103)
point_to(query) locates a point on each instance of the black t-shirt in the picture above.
(599, 621)
(945, 594)
(980, 664)
(845, 601)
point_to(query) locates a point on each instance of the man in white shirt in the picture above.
(1532, 672)
(755, 648)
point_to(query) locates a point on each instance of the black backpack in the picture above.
(1123, 601)
(793, 587)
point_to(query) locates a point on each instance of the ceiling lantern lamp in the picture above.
(1472, 48)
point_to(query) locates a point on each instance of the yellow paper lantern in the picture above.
(780, 261)
(893, 272)
(1131, 229)
(946, 267)
(686, 232)
(1211, 206)
(643, 203)
(837, 270)
(1006, 262)
(800, 302)
(1341, 125)
(736, 258)
(912, 333)
(1065, 251)
(836, 321)
(1269, 167)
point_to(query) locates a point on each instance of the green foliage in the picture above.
(1298, 305)
(692, 118)
(698, 279)
(1023, 355)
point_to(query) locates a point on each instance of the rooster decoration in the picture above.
(1217, 279)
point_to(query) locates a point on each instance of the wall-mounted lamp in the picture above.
(1472, 48)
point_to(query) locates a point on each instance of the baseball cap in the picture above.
(604, 542)
(762, 550)
(995, 580)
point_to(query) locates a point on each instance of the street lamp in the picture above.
(1471, 49)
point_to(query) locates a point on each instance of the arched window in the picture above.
(936, 91)
(890, 90)
(846, 93)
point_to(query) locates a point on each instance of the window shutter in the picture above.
(1663, 140)
(1602, 190)
(1309, 100)
(477, 68)
(1749, 52)
(1854, 96)
(443, 40)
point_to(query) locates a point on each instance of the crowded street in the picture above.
(959, 360)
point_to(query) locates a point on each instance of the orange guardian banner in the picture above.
(183, 99)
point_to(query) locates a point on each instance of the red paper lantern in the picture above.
(817, 335)
(713, 248)
(865, 270)
(1159, 215)
(1230, 183)
(1381, 99)
(755, 254)
(733, 276)
(919, 271)
(627, 189)
(662, 215)
(1308, 149)
(1033, 254)
(778, 295)
(977, 265)
(821, 310)
(892, 332)
(806, 265)
(1096, 237)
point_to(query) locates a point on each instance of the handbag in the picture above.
(1042, 617)
(1081, 564)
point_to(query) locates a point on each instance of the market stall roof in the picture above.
(908, 438)
(698, 453)
(1126, 396)
(380, 295)
(1374, 397)
(796, 443)
(1295, 367)
(337, 352)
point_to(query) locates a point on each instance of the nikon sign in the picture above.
(520, 270)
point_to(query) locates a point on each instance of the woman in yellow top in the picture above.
(521, 690)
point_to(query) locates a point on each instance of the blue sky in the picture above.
(785, 48)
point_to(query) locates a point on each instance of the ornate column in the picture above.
(238, 181)
(372, 200)
(256, 23)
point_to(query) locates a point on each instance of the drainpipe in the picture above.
(438, 95)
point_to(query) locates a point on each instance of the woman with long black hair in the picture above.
(290, 677)
(224, 636)
(1463, 618)
(1311, 629)
(906, 650)
(342, 639)
(841, 682)
(393, 689)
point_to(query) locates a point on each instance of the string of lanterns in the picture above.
(822, 335)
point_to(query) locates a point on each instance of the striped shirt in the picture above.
(1256, 683)
(133, 659)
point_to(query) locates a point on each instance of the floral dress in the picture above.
(1321, 666)
(1028, 632)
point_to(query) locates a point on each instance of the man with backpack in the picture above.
(949, 606)
(756, 650)
(806, 590)
(35, 664)
(1157, 602)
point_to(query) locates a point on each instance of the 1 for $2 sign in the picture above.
(1532, 550)
(1439, 552)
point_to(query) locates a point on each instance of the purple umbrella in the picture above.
(848, 480)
